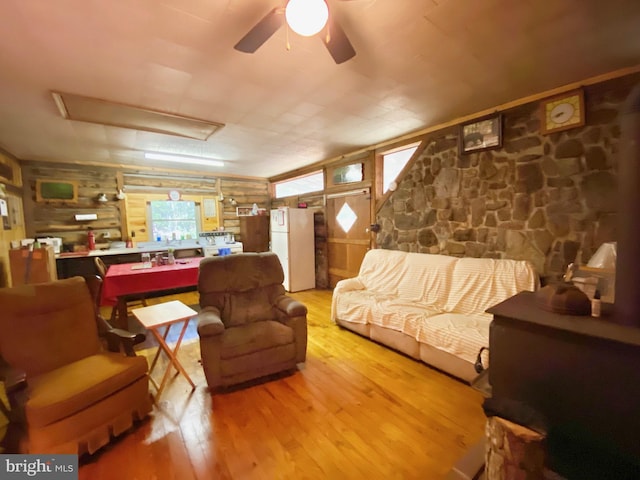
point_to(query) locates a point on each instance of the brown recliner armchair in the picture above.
(248, 326)
(69, 394)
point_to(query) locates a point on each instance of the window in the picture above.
(348, 174)
(313, 182)
(175, 220)
(393, 163)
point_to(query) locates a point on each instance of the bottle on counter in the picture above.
(91, 239)
(130, 243)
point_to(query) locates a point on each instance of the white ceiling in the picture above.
(418, 63)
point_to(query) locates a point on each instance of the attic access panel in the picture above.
(103, 112)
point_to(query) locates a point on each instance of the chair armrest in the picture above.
(293, 314)
(117, 337)
(15, 383)
(209, 322)
(290, 306)
(12, 378)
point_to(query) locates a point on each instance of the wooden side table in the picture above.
(153, 318)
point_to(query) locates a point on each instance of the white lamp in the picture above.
(605, 256)
(306, 17)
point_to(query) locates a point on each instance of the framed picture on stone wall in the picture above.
(482, 134)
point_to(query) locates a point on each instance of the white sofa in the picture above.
(430, 307)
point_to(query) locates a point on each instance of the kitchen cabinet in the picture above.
(254, 233)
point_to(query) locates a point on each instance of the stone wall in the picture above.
(544, 198)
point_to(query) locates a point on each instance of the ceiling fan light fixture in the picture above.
(306, 17)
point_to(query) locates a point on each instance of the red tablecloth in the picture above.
(121, 279)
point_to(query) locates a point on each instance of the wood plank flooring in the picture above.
(354, 410)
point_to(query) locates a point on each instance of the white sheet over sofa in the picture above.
(431, 307)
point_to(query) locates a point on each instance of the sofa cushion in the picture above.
(401, 315)
(458, 334)
(253, 337)
(480, 283)
(355, 305)
(411, 276)
(382, 270)
(67, 390)
(426, 278)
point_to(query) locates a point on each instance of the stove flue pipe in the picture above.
(627, 301)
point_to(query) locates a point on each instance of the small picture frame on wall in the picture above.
(482, 134)
(56, 191)
(243, 211)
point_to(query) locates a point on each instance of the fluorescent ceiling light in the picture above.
(170, 157)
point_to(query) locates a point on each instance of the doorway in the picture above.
(348, 218)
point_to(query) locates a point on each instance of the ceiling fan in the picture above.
(334, 39)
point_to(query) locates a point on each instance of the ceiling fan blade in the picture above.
(262, 31)
(337, 42)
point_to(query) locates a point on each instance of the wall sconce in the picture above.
(442, 233)
(221, 197)
(102, 198)
(233, 202)
(121, 195)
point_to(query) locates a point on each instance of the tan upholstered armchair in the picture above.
(68, 392)
(248, 326)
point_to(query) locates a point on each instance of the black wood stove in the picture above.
(581, 374)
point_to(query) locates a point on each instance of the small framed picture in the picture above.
(243, 211)
(483, 134)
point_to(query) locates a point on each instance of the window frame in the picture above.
(380, 196)
(291, 180)
(151, 221)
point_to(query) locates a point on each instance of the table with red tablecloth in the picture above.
(127, 279)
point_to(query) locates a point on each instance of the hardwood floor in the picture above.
(354, 410)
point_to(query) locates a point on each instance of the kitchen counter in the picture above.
(69, 264)
(140, 248)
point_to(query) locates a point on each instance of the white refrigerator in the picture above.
(292, 239)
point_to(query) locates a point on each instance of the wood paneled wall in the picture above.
(245, 193)
(57, 219)
(117, 218)
(13, 228)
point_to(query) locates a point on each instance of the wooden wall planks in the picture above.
(117, 218)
